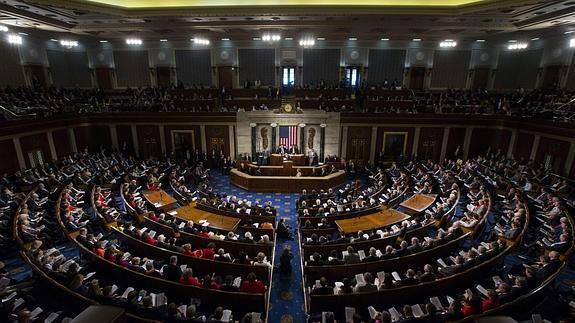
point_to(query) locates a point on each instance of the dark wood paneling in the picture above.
(62, 143)
(93, 137)
(9, 163)
(216, 132)
(149, 140)
(430, 140)
(523, 145)
(357, 135)
(557, 149)
(485, 139)
(35, 142)
(125, 140)
(454, 141)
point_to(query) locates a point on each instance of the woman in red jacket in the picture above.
(189, 279)
(252, 285)
(491, 302)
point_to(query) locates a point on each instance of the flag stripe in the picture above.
(288, 135)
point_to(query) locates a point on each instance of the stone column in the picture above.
(444, 143)
(535, 147)
(53, 153)
(203, 138)
(467, 142)
(72, 139)
(415, 141)
(135, 140)
(372, 147)
(114, 136)
(512, 143)
(19, 154)
(569, 160)
(162, 139)
(343, 152)
(232, 142)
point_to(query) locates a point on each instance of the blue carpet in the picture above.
(287, 300)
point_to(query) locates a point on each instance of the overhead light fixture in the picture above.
(14, 39)
(288, 38)
(3, 28)
(103, 41)
(534, 39)
(257, 38)
(321, 38)
(134, 41)
(200, 41)
(68, 43)
(449, 43)
(569, 32)
(416, 39)
(272, 38)
(512, 41)
(352, 38)
(517, 46)
(572, 43)
(307, 42)
(385, 39)
(224, 39)
(23, 34)
(163, 40)
(54, 40)
(480, 40)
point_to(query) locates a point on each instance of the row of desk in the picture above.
(285, 183)
(166, 203)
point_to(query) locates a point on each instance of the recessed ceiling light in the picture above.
(385, 39)
(352, 38)
(534, 39)
(257, 38)
(480, 40)
(321, 38)
(225, 39)
(288, 38)
(416, 39)
(512, 41)
(23, 34)
(163, 40)
(54, 39)
(569, 32)
(103, 41)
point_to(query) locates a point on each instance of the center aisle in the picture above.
(287, 300)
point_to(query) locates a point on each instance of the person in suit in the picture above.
(368, 287)
(372, 255)
(281, 150)
(323, 289)
(172, 271)
(352, 257)
(293, 150)
(428, 274)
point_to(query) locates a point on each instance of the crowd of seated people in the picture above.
(39, 102)
(37, 227)
(551, 236)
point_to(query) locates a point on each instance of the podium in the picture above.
(278, 160)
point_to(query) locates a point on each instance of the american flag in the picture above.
(288, 135)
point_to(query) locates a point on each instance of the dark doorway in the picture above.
(417, 78)
(104, 77)
(551, 77)
(163, 78)
(226, 76)
(480, 78)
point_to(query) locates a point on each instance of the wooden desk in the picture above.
(418, 203)
(160, 199)
(285, 183)
(371, 221)
(278, 160)
(216, 221)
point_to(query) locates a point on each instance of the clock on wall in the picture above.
(287, 108)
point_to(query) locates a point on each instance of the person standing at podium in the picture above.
(281, 150)
(293, 150)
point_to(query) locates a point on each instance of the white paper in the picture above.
(226, 316)
(127, 291)
(349, 312)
